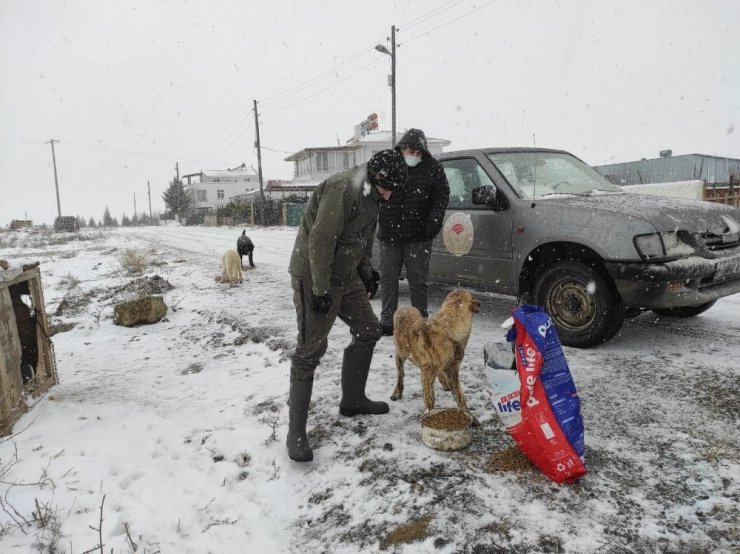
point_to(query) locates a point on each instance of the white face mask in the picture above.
(411, 161)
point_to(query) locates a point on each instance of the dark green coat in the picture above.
(335, 240)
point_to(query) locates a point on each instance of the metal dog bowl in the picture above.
(446, 429)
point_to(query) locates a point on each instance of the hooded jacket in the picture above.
(335, 239)
(417, 212)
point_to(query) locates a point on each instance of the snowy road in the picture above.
(173, 422)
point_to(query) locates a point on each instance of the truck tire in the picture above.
(685, 311)
(583, 305)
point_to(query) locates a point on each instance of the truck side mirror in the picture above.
(488, 195)
(484, 195)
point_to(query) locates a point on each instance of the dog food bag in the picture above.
(504, 381)
(550, 432)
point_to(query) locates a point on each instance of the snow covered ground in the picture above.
(180, 426)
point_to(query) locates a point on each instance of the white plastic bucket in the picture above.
(446, 439)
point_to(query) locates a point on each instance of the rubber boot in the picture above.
(298, 401)
(355, 367)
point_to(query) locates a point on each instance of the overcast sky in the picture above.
(130, 88)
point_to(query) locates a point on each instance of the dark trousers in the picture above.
(393, 256)
(350, 304)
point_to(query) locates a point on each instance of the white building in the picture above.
(318, 163)
(212, 189)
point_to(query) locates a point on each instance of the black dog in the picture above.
(245, 247)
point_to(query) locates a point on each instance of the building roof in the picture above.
(672, 157)
(684, 167)
(306, 151)
(227, 173)
(299, 183)
(380, 137)
(247, 194)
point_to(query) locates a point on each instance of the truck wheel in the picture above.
(685, 311)
(583, 305)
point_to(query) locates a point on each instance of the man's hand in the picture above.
(322, 303)
(371, 285)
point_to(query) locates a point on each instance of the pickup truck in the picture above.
(543, 226)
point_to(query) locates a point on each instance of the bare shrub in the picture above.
(273, 425)
(134, 261)
(96, 313)
(42, 238)
(47, 519)
(9, 240)
(72, 303)
(69, 281)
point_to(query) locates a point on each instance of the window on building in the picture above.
(219, 194)
(202, 196)
(322, 161)
(345, 160)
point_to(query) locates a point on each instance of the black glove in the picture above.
(371, 285)
(322, 303)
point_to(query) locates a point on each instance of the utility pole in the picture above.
(56, 181)
(392, 78)
(393, 82)
(177, 170)
(135, 207)
(149, 192)
(257, 145)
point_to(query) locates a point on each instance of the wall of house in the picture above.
(320, 165)
(213, 199)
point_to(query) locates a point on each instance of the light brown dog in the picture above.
(435, 345)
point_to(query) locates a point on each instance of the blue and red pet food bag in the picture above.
(550, 432)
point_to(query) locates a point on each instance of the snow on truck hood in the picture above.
(666, 214)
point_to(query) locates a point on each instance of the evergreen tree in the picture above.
(125, 221)
(80, 222)
(91, 223)
(177, 199)
(107, 219)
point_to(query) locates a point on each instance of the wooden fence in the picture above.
(723, 194)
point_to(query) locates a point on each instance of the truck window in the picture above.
(463, 175)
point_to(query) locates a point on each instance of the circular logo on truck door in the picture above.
(457, 234)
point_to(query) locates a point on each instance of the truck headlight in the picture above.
(663, 246)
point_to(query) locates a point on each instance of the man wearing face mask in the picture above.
(407, 224)
(332, 276)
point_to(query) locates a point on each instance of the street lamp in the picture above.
(392, 53)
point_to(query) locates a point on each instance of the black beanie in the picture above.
(387, 169)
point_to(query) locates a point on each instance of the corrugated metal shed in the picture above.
(710, 169)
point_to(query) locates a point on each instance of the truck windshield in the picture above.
(541, 174)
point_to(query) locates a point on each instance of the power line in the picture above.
(324, 89)
(432, 13)
(138, 153)
(215, 148)
(278, 96)
(448, 22)
(275, 150)
(238, 138)
(287, 93)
